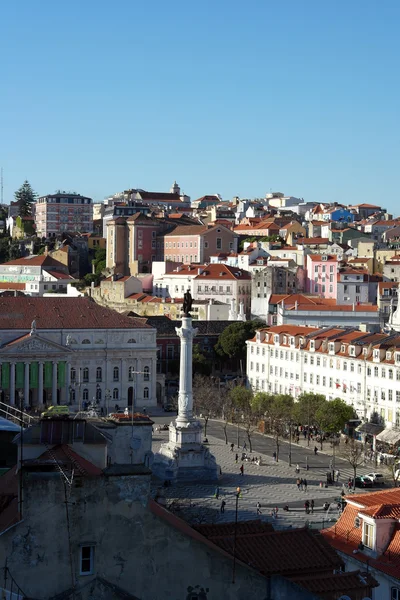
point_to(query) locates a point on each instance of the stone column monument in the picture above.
(184, 457)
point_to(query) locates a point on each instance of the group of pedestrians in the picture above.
(301, 484)
(309, 506)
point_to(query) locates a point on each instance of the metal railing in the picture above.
(12, 413)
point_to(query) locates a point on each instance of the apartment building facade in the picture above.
(322, 270)
(361, 368)
(195, 243)
(56, 213)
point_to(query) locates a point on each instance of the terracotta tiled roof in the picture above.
(12, 285)
(317, 257)
(221, 271)
(341, 583)
(56, 313)
(267, 551)
(59, 275)
(311, 241)
(181, 230)
(65, 457)
(391, 496)
(35, 261)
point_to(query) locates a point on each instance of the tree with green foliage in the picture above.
(242, 399)
(25, 196)
(201, 366)
(99, 261)
(280, 415)
(232, 341)
(306, 407)
(333, 415)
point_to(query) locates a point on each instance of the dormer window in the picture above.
(368, 535)
(388, 356)
(365, 351)
(292, 341)
(376, 354)
(284, 339)
(342, 348)
(352, 351)
(331, 347)
(276, 339)
(312, 345)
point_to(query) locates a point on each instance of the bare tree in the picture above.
(353, 453)
(205, 398)
(226, 410)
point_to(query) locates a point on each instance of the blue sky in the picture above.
(223, 96)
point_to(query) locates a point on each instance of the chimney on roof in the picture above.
(354, 306)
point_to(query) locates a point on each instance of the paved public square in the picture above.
(273, 484)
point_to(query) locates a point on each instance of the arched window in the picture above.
(85, 395)
(146, 376)
(115, 394)
(98, 394)
(146, 392)
(130, 373)
(99, 374)
(116, 374)
(86, 341)
(73, 374)
(85, 374)
(131, 341)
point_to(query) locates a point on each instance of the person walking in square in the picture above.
(223, 503)
(244, 446)
(216, 494)
(241, 469)
(232, 446)
(305, 484)
(312, 506)
(301, 484)
(236, 458)
(298, 483)
(258, 508)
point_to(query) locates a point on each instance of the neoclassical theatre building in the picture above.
(73, 351)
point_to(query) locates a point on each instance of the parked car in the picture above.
(377, 478)
(362, 482)
(55, 412)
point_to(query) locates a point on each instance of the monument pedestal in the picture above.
(184, 457)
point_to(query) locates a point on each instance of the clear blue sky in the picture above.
(223, 96)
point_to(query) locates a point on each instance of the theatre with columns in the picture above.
(73, 351)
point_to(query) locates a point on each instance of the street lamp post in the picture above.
(107, 398)
(235, 534)
(290, 443)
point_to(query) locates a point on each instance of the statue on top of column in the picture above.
(187, 303)
(33, 327)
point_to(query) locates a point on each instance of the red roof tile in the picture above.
(56, 313)
(35, 261)
(64, 456)
(267, 551)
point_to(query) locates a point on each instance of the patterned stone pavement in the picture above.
(272, 484)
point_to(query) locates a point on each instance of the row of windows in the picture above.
(99, 374)
(99, 395)
(318, 361)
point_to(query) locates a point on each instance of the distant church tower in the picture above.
(175, 189)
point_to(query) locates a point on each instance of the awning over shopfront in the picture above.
(391, 435)
(370, 428)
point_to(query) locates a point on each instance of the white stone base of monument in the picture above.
(184, 457)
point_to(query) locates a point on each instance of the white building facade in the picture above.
(361, 368)
(73, 351)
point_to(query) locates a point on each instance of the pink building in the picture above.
(322, 275)
(195, 243)
(61, 212)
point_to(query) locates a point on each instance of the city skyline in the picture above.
(224, 99)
